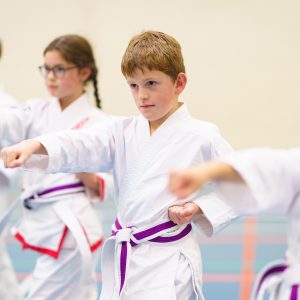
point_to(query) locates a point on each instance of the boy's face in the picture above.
(156, 94)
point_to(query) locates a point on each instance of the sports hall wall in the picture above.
(242, 56)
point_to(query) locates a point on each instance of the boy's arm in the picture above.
(88, 150)
(73, 151)
(213, 213)
(18, 154)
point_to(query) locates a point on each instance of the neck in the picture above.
(154, 125)
(66, 101)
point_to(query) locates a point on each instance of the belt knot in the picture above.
(124, 234)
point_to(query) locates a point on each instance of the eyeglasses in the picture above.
(58, 71)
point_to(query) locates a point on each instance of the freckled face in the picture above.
(155, 95)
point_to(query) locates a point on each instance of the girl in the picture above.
(59, 221)
(256, 181)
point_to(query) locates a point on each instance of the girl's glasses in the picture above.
(58, 71)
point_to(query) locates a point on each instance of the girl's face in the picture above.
(63, 79)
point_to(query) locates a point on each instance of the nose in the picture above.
(51, 75)
(143, 95)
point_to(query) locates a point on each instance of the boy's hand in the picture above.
(183, 214)
(16, 155)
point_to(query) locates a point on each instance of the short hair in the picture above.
(153, 50)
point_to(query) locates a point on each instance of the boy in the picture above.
(147, 256)
(257, 181)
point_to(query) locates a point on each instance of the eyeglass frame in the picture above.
(45, 71)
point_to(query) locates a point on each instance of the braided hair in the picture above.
(77, 50)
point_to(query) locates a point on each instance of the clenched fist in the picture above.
(16, 155)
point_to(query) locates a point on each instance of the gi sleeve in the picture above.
(217, 213)
(87, 150)
(271, 181)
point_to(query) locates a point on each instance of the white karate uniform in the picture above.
(9, 288)
(59, 205)
(141, 164)
(272, 186)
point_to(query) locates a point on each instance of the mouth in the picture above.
(145, 106)
(52, 87)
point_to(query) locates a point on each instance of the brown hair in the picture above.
(78, 51)
(153, 50)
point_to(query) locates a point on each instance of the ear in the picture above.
(180, 82)
(85, 73)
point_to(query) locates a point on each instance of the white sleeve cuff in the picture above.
(216, 214)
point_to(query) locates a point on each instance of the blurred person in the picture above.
(255, 181)
(59, 219)
(9, 288)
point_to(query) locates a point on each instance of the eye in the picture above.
(133, 86)
(59, 70)
(151, 83)
(46, 68)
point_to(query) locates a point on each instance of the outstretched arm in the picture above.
(184, 182)
(16, 155)
(270, 177)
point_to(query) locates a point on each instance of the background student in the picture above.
(59, 221)
(256, 181)
(9, 288)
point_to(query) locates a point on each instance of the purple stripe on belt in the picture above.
(117, 224)
(60, 187)
(294, 292)
(269, 272)
(144, 235)
(173, 238)
(154, 230)
(123, 264)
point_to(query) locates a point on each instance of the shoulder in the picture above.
(37, 103)
(98, 114)
(124, 122)
(207, 135)
(114, 122)
(195, 127)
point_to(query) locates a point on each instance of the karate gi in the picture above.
(9, 288)
(57, 204)
(165, 264)
(272, 186)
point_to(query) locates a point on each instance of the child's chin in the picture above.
(147, 116)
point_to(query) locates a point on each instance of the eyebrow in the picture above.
(57, 65)
(144, 80)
